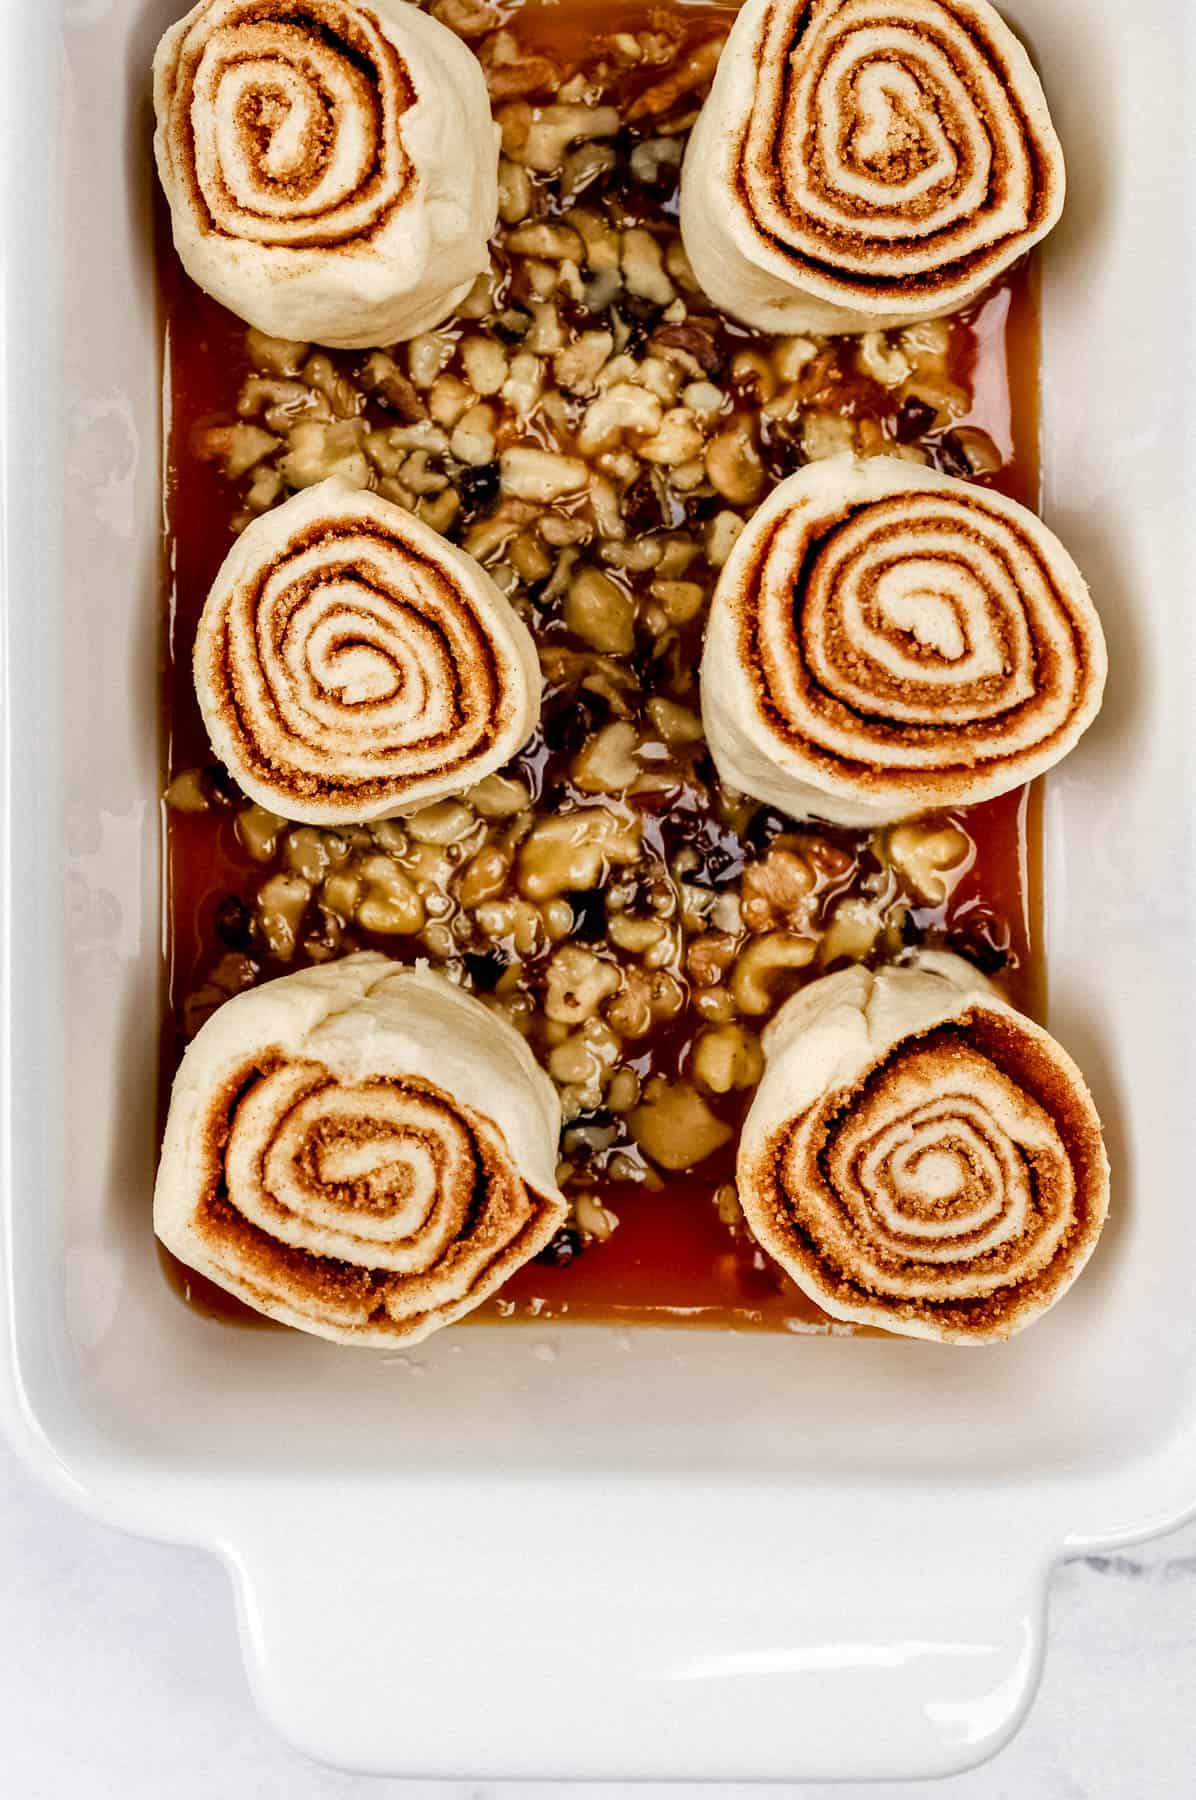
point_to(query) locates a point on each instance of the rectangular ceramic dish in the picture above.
(583, 1552)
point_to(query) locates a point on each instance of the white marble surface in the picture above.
(122, 1681)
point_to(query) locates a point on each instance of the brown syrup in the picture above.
(671, 1257)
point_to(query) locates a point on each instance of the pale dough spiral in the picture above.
(922, 1157)
(331, 168)
(861, 164)
(352, 664)
(885, 640)
(359, 1150)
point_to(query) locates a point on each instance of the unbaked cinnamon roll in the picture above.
(921, 1157)
(332, 169)
(351, 664)
(885, 640)
(360, 1150)
(861, 164)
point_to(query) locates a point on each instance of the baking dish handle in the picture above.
(648, 1640)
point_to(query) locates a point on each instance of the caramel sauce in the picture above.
(672, 1257)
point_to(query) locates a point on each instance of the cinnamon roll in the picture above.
(360, 1150)
(885, 640)
(351, 664)
(332, 169)
(921, 1157)
(861, 164)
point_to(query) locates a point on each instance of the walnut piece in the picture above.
(675, 1127)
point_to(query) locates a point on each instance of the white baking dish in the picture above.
(580, 1552)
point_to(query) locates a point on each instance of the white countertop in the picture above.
(122, 1680)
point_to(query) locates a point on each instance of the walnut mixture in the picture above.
(596, 435)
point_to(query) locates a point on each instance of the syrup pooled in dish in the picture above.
(595, 434)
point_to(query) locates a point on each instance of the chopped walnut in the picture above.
(758, 973)
(237, 448)
(572, 851)
(710, 957)
(577, 368)
(643, 267)
(511, 73)
(930, 859)
(621, 409)
(607, 763)
(541, 475)
(538, 137)
(776, 892)
(826, 434)
(734, 467)
(692, 76)
(516, 195)
(578, 983)
(485, 363)
(319, 451)
(468, 18)
(854, 927)
(884, 361)
(675, 1127)
(727, 1057)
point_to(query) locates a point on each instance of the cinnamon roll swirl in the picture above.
(359, 1150)
(920, 1156)
(885, 640)
(861, 164)
(332, 169)
(351, 664)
